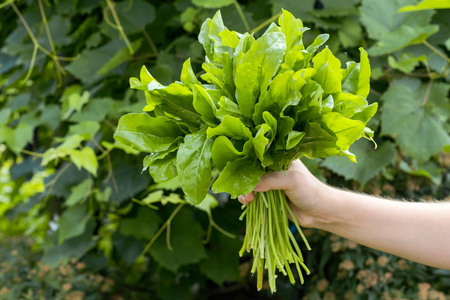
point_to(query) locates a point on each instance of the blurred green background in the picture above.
(78, 220)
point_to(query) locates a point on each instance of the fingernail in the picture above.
(241, 198)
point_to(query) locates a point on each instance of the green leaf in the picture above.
(406, 62)
(143, 226)
(256, 69)
(219, 266)
(87, 65)
(351, 33)
(85, 158)
(134, 16)
(282, 92)
(209, 34)
(165, 168)
(370, 162)
(186, 242)
(227, 107)
(380, 17)
(239, 177)
(4, 115)
(74, 248)
(317, 142)
(356, 77)
(230, 127)
(394, 30)
(204, 105)
(72, 222)
(87, 128)
(410, 118)
(427, 4)
(261, 143)
(147, 134)
(347, 131)
(212, 3)
(79, 192)
(194, 165)
(174, 100)
(328, 71)
(402, 37)
(187, 75)
(120, 57)
(292, 29)
(95, 110)
(207, 204)
(16, 139)
(223, 151)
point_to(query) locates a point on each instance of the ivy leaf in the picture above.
(95, 110)
(79, 192)
(402, 37)
(126, 249)
(194, 165)
(86, 128)
(410, 114)
(120, 57)
(370, 162)
(87, 65)
(134, 16)
(220, 266)
(143, 226)
(406, 62)
(85, 158)
(186, 242)
(72, 222)
(394, 30)
(16, 139)
(72, 248)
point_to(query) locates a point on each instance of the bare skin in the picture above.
(417, 231)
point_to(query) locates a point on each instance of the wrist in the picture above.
(328, 212)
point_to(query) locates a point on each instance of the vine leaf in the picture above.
(415, 117)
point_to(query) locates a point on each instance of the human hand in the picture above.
(307, 194)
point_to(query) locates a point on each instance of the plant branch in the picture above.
(265, 23)
(119, 26)
(241, 14)
(150, 41)
(427, 93)
(157, 234)
(435, 50)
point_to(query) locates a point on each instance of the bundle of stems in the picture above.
(270, 239)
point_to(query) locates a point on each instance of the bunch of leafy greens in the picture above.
(266, 102)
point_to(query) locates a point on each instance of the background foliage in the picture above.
(98, 228)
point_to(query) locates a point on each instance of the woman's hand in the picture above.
(305, 192)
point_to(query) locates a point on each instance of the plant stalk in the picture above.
(268, 235)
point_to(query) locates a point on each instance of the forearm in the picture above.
(416, 231)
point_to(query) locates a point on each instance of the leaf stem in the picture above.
(241, 14)
(157, 234)
(435, 50)
(150, 41)
(427, 93)
(265, 23)
(119, 26)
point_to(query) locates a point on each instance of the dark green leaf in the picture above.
(186, 242)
